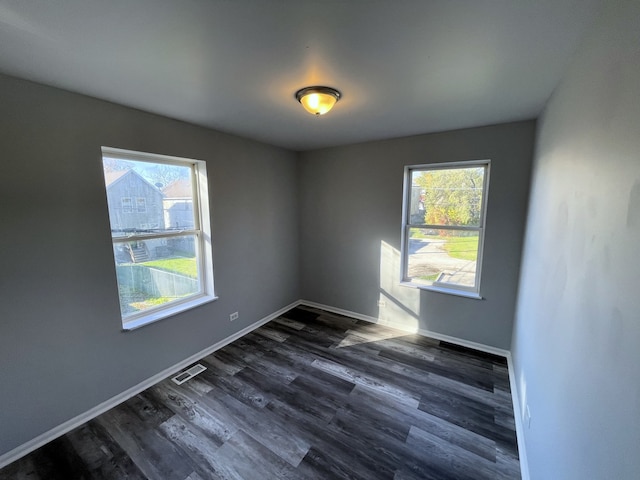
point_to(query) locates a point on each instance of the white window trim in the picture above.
(202, 230)
(447, 288)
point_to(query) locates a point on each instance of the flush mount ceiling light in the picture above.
(318, 100)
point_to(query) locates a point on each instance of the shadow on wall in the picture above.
(401, 304)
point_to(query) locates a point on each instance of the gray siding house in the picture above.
(134, 203)
(178, 204)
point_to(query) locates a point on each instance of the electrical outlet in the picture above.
(382, 303)
(233, 316)
(527, 416)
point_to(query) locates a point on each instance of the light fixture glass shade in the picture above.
(318, 100)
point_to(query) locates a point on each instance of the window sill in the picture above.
(448, 291)
(163, 313)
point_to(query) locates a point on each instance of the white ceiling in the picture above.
(403, 66)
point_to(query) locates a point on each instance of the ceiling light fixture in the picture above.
(318, 100)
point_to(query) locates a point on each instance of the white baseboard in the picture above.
(517, 413)
(425, 333)
(75, 422)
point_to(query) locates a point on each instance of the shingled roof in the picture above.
(112, 176)
(180, 188)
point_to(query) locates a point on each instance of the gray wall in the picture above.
(576, 342)
(350, 226)
(62, 351)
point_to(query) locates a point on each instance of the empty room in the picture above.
(350, 239)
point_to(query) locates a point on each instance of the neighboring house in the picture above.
(178, 204)
(134, 205)
(417, 204)
(133, 201)
(178, 214)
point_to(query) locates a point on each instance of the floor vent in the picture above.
(188, 374)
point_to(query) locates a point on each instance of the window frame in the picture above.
(143, 203)
(201, 231)
(126, 208)
(443, 287)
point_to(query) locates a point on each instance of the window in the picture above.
(443, 226)
(126, 205)
(161, 269)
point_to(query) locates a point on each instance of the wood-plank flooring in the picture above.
(310, 395)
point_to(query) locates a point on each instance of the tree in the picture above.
(114, 165)
(452, 196)
(158, 174)
(162, 175)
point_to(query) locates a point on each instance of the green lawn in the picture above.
(150, 302)
(465, 248)
(430, 278)
(181, 265)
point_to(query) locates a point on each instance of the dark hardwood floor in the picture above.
(310, 395)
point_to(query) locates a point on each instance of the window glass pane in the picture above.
(442, 256)
(161, 245)
(449, 196)
(126, 204)
(155, 272)
(147, 197)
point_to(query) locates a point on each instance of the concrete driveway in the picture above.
(427, 257)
